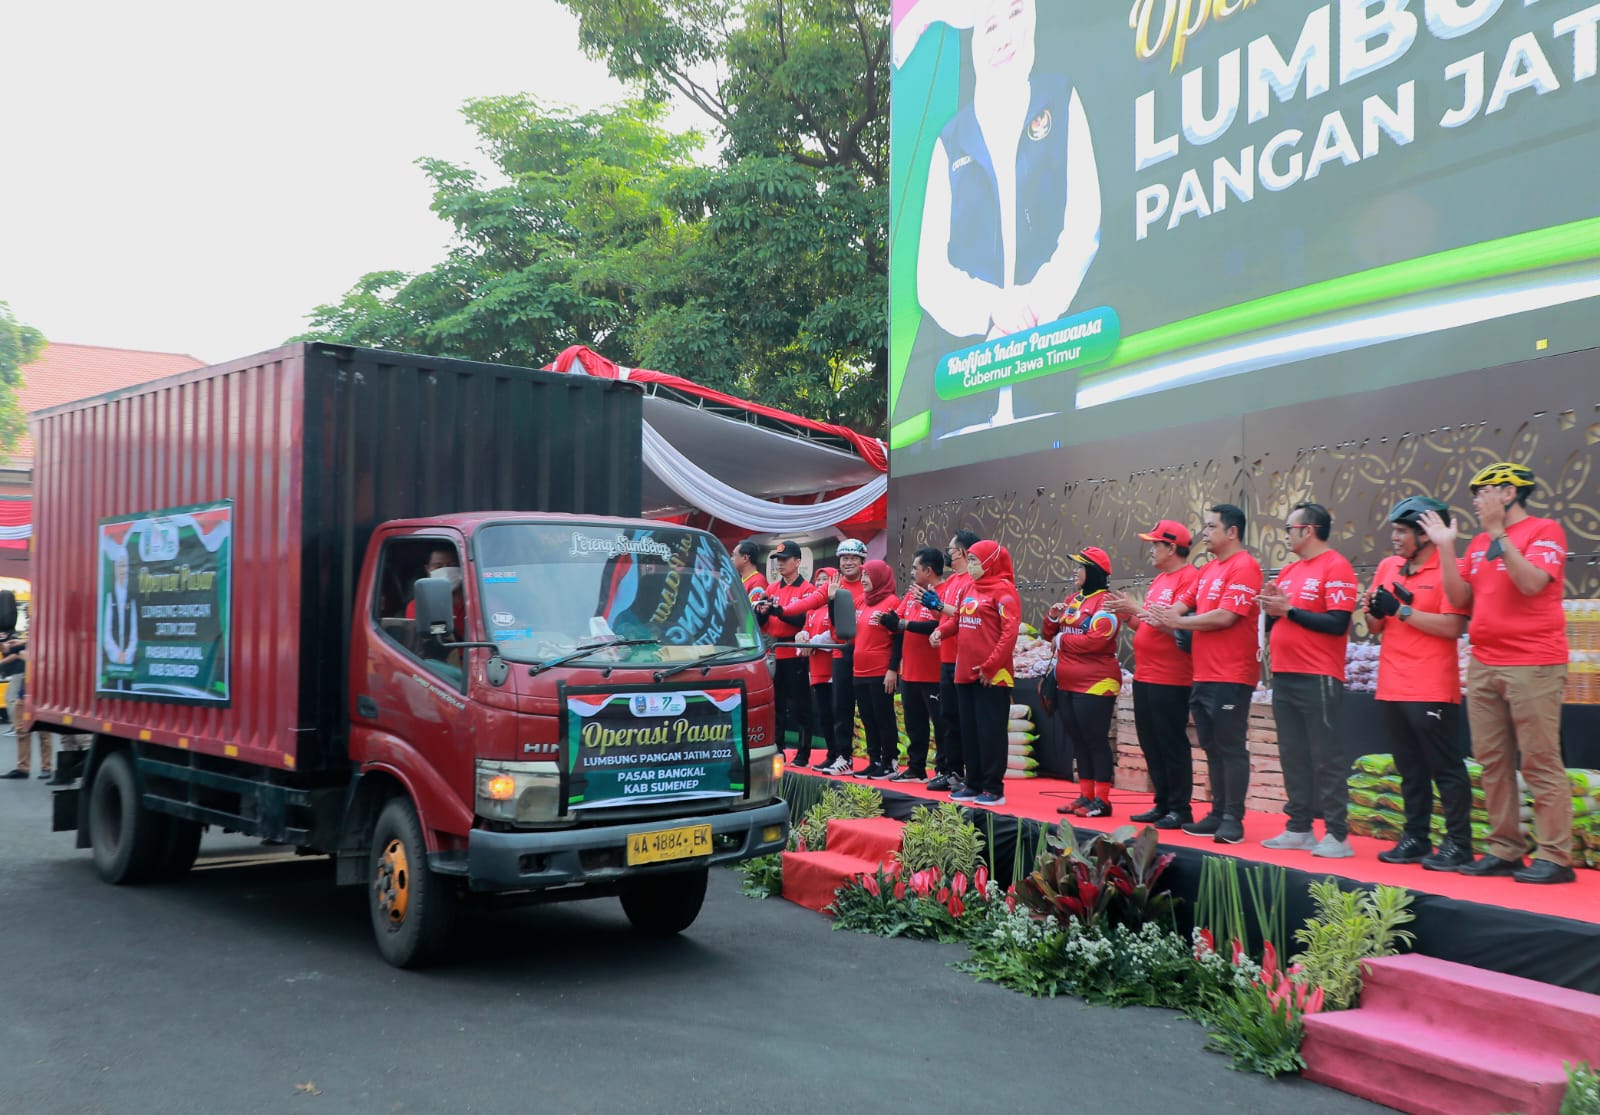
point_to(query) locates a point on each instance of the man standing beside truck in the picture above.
(792, 680)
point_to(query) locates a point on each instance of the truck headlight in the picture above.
(518, 792)
(766, 773)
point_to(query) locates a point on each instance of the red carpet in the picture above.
(1037, 799)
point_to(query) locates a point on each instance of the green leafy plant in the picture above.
(1583, 1090)
(845, 800)
(801, 792)
(1112, 965)
(1220, 908)
(763, 876)
(1260, 1024)
(940, 837)
(1112, 879)
(1348, 928)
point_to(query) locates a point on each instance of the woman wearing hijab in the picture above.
(877, 663)
(990, 617)
(1088, 678)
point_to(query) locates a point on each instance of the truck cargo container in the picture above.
(395, 609)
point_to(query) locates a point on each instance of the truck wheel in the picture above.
(179, 850)
(127, 839)
(661, 905)
(412, 908)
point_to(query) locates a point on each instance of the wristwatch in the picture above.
(1405, 612)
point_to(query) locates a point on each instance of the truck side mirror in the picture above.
(435, 611)
(842, 616)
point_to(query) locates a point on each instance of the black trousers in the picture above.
(822, 719)
(984, 712)
(792, 691)
(950, 759)
(1423, 736)
(1085, 719)
(1316, 777)
(844, 703)
(1221, 711)
(1161, 717)
(877, 720)
(920, 699)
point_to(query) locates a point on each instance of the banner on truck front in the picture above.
(164, 600)
(627, 747)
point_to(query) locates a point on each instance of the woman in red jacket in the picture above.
(988, 623)
(1088, 678)
(877, 661)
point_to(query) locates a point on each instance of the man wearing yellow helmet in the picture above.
(1511, 578)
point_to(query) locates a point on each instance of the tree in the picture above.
(20, 345)
(764, 275)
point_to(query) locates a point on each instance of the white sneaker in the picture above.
(1330, 847)
(1287, 841)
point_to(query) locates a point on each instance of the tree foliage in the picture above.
(764, 274)
(20, 345)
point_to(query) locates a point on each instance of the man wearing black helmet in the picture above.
(1419, 688)
(1512, 578)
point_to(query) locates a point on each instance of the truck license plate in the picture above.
(669, 844)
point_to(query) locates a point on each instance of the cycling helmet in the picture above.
(1410, 509)
(1503, 472)
(853, 546)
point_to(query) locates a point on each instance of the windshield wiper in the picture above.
(663, 675)
(584, 652)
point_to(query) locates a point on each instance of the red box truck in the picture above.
(396, 610)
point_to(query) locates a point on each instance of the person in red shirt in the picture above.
(1221, 612)
(877, 662)
(950, 767)
(745, 555)
(1162, 675)
(1512, 579)
(1088, 678)
(817, 629)
(1419, 689)
(990, 618)
(791, 679)
(917, 620)
(852, 556)
(1308, 612)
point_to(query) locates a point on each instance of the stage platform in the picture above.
(1545, 933)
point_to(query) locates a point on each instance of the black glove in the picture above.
(1384, 603)
(1406, 596)
(931, 601)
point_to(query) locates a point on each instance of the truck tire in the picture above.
(127, 839)
(412, 908)
(179, 850)
(662, 905)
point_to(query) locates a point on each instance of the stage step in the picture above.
(811, 878)
(1441, 1038)
(870, 838)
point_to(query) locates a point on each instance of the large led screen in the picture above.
(1113, 216)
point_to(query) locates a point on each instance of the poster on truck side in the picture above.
(164, 605)
(643, 746)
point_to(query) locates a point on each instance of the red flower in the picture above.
(870, 885)
(1238, 953)
(900, 891)
(1207, 943)
(942, 895)
(958, 882)
(957, 907)
(1269, 960)
(1011, 902)
(1313, 1002)
(980, 879)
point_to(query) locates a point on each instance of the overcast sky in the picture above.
(194, 177)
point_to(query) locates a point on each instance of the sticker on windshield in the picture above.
(500, 577)
(503, 619)
(613, 545)
(745, 641)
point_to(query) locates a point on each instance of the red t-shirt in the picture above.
(791, 599)
(952, 592)
(1229, 654)
(1325, 583)
(818, 627)
(874, 642)
(919, 660)
(1086, 651)
(1413, 665)
(1508, 628)
(1157, 658)
(988, 625)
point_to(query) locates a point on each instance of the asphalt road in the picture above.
(254, 987)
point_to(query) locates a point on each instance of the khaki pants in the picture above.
(25, 741)
(1512, 709)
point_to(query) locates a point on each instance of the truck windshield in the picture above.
(549, 589)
